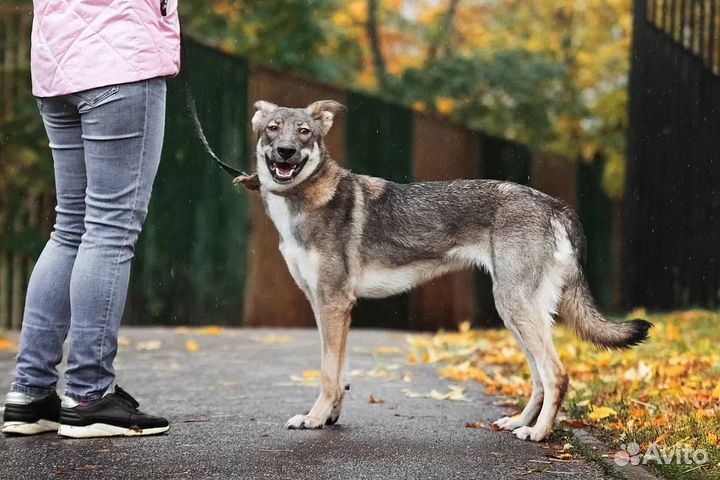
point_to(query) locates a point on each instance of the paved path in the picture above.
(228, 400)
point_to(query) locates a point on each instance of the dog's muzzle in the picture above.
(285, 168)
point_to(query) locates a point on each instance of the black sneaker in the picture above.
(113, 415)
(25, 415)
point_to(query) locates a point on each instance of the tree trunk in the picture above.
(444, 33)
(375, 45)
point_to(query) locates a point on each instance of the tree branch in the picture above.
(443, 32)
(375, 47)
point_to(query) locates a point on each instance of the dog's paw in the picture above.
(337, 408)
(300, 422)
(251, 182)
(531, 433)
(509, 423)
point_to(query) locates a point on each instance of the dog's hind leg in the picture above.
(533, 331)
(334, 324)
(554, 379)
(532, 408)
(532, 327)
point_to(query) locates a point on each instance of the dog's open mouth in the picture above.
(284, 172)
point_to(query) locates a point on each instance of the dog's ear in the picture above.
(323, 112)
(263, 109)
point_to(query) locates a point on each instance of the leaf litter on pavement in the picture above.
(664, 392)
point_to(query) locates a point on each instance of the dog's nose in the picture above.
(286, 152)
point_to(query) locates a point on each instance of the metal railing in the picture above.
(693, 24)
(672, 201)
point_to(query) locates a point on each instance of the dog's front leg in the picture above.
(334, 323)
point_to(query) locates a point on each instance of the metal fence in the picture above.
(672, 203)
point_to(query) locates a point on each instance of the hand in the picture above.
(251, 182)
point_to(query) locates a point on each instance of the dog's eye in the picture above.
(303, 131)
(273, 128)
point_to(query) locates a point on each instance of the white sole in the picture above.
(105, 430)
(25, 428)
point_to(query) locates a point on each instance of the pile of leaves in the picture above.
(665, 392)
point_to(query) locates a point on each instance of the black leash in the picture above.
(192, 109)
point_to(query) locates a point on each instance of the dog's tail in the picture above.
(577, 306)
(578, 309)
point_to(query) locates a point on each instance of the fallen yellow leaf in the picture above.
(7, 344)
(456, 393)
(673, 332)
(192, 346)
(211, 330)
(385, 350)
(598, 413)
(277, 339)
(309, 378)
(475, 425)
(716, 391)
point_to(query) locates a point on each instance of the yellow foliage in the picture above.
(655, 391)
(591, 39)
(445, 105)
(419, 106)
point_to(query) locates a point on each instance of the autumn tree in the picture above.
(550, 74)
(290, 35)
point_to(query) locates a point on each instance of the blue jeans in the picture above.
(106, 144)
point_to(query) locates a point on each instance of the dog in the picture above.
(346, 236)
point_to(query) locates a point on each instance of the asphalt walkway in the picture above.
(228, 396)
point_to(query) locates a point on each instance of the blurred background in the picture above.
(612, 105)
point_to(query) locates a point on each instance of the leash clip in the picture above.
(163, 8)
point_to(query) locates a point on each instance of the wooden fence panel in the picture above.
(190, 261)
(379, 142)
(443, 151)
(555, 176)
(271, 296)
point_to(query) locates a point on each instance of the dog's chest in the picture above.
(302, 260)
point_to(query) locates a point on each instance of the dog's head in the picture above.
(290, 144)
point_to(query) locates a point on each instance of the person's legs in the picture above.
(47, 306)
(122, 131)
(32, 405)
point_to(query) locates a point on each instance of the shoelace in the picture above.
(126, 397)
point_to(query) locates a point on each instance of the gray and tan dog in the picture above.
(346, 236)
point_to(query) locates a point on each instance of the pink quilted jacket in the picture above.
(83, 44)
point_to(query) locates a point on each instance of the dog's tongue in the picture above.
(285, 170)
